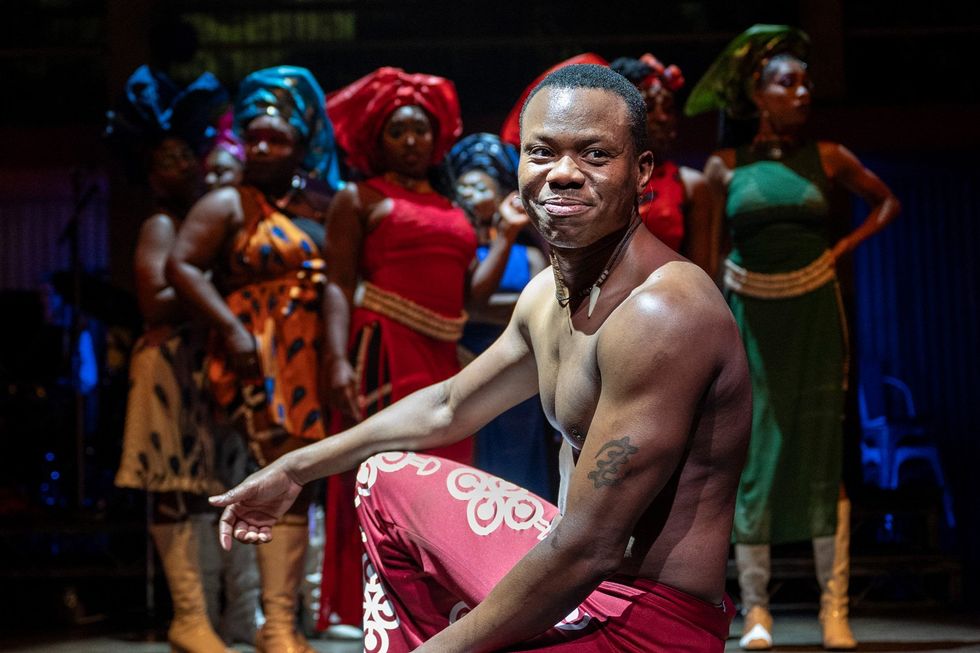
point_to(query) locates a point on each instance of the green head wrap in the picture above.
(730, 80)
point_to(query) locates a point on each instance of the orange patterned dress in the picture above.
(273, 281)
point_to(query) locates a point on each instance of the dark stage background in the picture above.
(895, 82)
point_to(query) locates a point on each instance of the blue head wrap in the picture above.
(155, 107)
(293, 94)
(487, 153)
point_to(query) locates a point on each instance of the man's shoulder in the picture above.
(677, 305)
(535, 293)
(679, 287)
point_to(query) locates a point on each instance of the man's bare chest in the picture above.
(569, 381)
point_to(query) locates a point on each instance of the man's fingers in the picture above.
(225, 499)
(251, 534)
(225, 528)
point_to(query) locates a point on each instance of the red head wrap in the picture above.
(359, 112)
(669, 77)
(510, 132)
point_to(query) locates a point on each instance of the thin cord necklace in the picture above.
(773, 146)
(561, 290)
(297, 188)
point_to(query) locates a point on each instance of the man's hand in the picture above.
(255, 505)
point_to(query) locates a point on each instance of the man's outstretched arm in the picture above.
(656, 360)
(435, 416)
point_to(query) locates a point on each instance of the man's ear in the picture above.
(644, 166)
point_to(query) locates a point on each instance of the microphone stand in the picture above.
(71, 234)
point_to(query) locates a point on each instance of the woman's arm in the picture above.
(717, 174)
(842, 166)
(157, 300)
(500, 305)
(346, 228)
(488, 272)
(701, 224)
(210, 224)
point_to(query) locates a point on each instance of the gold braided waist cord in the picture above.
(408, 313)
(781, 285)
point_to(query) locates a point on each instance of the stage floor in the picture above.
(921, 633)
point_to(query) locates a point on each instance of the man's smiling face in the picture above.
(579, 173)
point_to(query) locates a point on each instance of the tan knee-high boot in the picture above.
(754, 566)
(281, 569)
(190, 631)
(832, 560)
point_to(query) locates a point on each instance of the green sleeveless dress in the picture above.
(777, 212)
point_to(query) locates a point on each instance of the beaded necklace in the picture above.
(561, 290)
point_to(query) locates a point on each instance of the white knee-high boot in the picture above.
(753, 562)
(242, 590)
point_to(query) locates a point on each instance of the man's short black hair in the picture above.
(588, 75)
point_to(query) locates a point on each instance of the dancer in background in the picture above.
(410, 254)
(677, 204)
(781, 285)
(231, 578)
(168, 448)
(515, 445)
(264, 242)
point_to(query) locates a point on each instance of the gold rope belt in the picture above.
(408, 313)
(781, 285)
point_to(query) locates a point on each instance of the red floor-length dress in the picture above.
(421, 252)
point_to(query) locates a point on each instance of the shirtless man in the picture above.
(647, 381)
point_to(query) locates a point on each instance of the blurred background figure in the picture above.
(224, 165)
(410, 255)
(160, 130)
(676, 205)
(249, 260)
(781, 284)
(231, 578)
(483, 170)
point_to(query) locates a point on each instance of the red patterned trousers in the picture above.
(440, 535)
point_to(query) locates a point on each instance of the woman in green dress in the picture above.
(781, 285)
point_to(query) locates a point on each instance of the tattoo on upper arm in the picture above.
(614, 454)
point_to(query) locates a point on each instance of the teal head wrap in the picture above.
(293, 94)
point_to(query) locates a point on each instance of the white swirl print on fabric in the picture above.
(493, 502)
(391, 461)
(459, 611)
(577, 619)
(379, 614)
